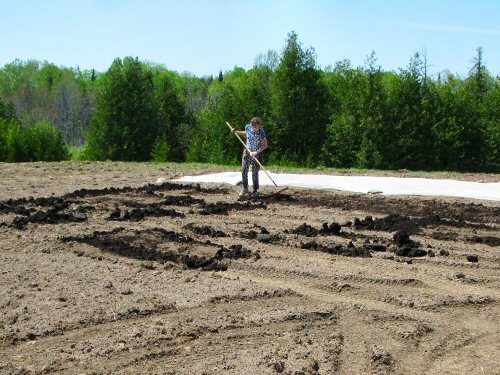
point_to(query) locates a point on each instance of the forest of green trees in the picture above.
(339, 116)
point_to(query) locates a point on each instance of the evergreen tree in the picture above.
(461, 129)
(345, 87)
(299, 106)
(213, 143)
(194, 91)
(371, 125)
(477, 87)
(172, 113)
(3, 139)
(10, 112)
(412, 143)
(124, 126)
(3, 112)
(256, 92)
(492, 115)
(345, 117)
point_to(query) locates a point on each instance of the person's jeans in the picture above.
(246, 161)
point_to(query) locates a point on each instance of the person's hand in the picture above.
(233, 131)
(253, 153)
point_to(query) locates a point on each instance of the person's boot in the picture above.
(255, 194)
(243, 192)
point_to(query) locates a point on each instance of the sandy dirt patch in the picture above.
(103, 272)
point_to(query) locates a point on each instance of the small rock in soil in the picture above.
(148, 266)
(313, 367)
(375, 247)
(264, 237)
(382, 357)
(473, 258)
(205, 230)
(108, 285)
(279, 366)
(408, 251)
(79, 216)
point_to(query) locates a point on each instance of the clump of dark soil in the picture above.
(181, 200)
(261, 235)
(374, 245)
(234, 252)
(279, 197)
(412, 225)
(337, 249)
(29, 210)
(200, 189)
(6, 208)
(451, 236)
(333, 228)
(205, 230)
(16, 205)
(146, 189)
(167, 200)
(309, 231)
(487, 240)
(402, 238)
(305, 230)
(382, 360)
(459, 214)
(223, 208)
(51, 216)
(407, 247)
(158, 235)
(144, 245)
(45, 210)
(444, 236)
(138, 214)
(84, 193)
(390, 223)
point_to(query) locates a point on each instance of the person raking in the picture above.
(256, 143)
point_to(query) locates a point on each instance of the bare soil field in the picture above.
(104, 272)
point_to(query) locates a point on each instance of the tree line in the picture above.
(340, 116)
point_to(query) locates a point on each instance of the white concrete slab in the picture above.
(365, 184)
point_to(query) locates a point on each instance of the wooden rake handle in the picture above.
(249, 152)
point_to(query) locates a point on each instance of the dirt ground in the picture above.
(104, 272)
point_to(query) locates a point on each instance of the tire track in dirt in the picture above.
(306, 289)
(221, 352)
(433, 295)
(440, 308)
(174, 331)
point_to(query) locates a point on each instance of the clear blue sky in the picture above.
(203, 37)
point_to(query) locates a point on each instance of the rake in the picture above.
(258, 162)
